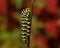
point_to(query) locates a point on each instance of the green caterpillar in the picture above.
(25, 25)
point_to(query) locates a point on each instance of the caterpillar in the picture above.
(25, 25)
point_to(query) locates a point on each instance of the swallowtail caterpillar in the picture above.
(25, 25)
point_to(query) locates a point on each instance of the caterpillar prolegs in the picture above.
(25, 25)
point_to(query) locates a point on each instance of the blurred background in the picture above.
(45, 26)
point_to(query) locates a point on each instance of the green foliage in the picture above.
(18, 4)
